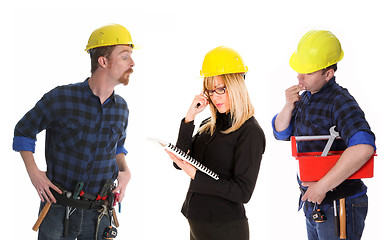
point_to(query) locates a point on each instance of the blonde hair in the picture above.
(240, 105)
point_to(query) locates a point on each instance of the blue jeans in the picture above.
(82, 224)
(356, 211)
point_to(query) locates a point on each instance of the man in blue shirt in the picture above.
(85, 127)
(324, 104)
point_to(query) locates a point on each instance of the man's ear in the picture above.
(329, 74)
(103, 61)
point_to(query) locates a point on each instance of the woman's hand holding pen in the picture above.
(200, 102)
(186, 167)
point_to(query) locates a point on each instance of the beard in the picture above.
(125, 78)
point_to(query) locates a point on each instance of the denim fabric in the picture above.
(356, 211)
(82, 224)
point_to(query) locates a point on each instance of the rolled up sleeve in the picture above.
(283, 135)
(35, 120)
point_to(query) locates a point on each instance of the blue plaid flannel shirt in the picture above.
(83, 136)
(316, 113)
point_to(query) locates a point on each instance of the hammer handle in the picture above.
(342, 218)
(42, 215)
(115, 218)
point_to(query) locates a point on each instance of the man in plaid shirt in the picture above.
(85, 127)
(323, 104)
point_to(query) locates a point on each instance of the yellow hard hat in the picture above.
(222, 60)
(113, 34)
(316, 50)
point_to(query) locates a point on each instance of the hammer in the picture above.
(42, 215)
(342, 218)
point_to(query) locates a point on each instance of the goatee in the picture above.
(125, 79)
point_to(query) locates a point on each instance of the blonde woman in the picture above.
(230, 143)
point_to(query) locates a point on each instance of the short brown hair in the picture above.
(95, 53)
(334, 67)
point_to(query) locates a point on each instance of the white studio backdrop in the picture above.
(43, 46)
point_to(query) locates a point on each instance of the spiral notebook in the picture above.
(182, 155)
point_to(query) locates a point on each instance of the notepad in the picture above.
(182, 155)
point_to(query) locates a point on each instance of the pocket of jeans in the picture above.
(358, 218)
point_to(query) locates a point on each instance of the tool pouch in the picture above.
(75, 203)
(346, 189)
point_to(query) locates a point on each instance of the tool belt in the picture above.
(84, 200)
(103, 202)
(76, 203)
(346, 189)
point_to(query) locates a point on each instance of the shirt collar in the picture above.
(328, 85)
(87, 92)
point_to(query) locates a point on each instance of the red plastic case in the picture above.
(312, 166)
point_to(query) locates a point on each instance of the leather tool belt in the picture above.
(346, 189)
(76, 203)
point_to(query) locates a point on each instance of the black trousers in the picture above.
(233, 230)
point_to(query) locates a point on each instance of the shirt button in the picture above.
(89, 167)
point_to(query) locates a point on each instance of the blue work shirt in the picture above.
(83, 136)
(316, 113)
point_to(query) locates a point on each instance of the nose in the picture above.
(300, 76)
(132, 63)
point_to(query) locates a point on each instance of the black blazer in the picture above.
(236, 157)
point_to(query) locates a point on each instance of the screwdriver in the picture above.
(336, 220)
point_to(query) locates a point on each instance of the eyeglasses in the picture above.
(219, 91)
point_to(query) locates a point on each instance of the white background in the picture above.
(42, 46)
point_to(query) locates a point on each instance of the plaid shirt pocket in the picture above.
(69, 133)
(114, 136)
